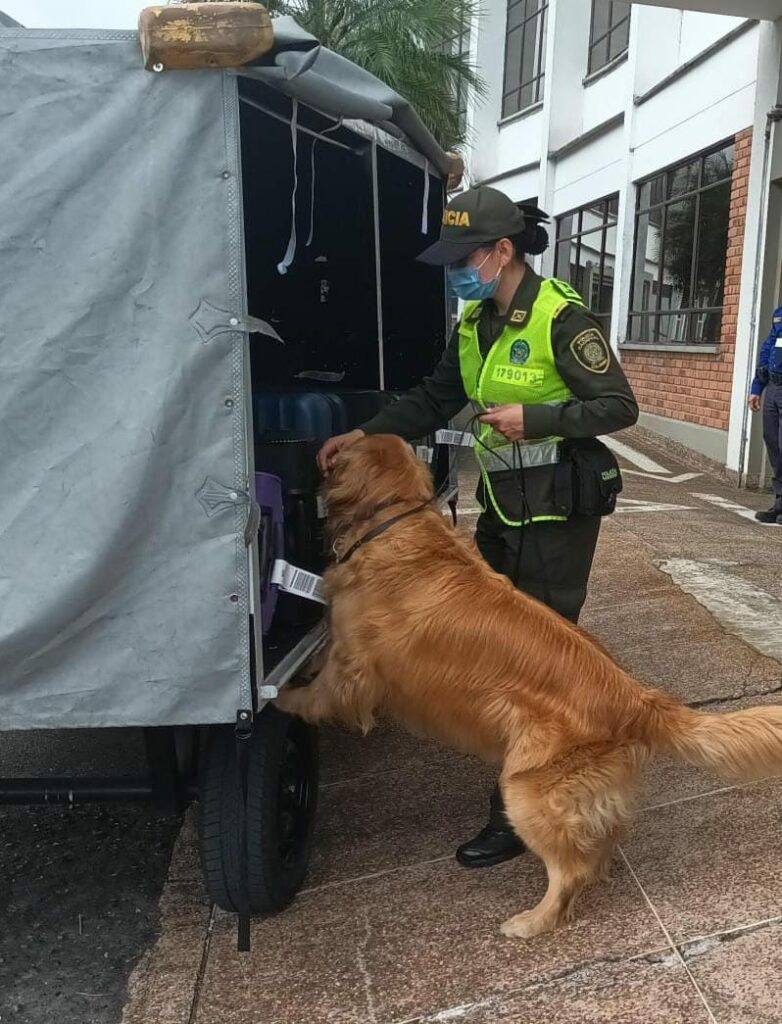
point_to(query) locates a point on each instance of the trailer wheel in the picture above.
(282, 795)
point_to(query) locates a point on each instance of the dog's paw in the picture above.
(525, 926)
(289, 700)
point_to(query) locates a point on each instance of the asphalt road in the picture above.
(78, 886)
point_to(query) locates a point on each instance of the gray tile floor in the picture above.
(391, 931)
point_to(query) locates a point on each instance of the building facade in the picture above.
(649, 134)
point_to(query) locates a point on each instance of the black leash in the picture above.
(376, 531)
(526, 512)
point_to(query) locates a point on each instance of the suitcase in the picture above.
(303, 414)
(289, 457)
(271, 542)
(361, 406)
(305, 546)
(289, 428)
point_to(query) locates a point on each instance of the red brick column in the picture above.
(697, 387)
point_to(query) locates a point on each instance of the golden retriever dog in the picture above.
(423, 631)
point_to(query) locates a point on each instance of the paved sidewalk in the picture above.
(687, 593)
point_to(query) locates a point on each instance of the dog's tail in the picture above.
(739, 746)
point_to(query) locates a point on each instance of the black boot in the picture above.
(491, 846)
(773, 515)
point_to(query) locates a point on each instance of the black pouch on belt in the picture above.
(597, 479)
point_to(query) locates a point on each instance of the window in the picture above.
(681, 241)
(525, 55)
(586, 254)
(609, 32)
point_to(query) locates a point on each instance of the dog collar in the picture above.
(376, 531)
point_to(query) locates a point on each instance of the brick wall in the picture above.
(696, 387)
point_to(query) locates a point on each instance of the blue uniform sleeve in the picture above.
(761, 371)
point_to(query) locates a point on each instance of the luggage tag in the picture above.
(292, 580)
(458, 438)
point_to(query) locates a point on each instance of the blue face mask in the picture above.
(465, 283)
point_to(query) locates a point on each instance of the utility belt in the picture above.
(579, 477)
(775, 378)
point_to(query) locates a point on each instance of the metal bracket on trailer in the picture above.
(309, 645)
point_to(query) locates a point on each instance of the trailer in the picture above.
(203, 273)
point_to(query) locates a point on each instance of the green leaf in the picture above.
(418, 47)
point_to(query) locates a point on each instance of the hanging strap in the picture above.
(290, 252)
(326, 131)
(425, 211)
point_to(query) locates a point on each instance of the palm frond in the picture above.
(409, 44)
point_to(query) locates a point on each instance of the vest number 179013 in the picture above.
(507, 374)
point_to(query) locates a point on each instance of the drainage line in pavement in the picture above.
(731, 700)
(199, 982)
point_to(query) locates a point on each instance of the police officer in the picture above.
(768, 382)
(534, 361)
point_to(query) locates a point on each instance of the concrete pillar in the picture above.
(759, 282)
(625, 228)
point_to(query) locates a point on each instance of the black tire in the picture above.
(281, 803)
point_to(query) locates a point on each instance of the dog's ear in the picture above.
(373, 470)
(347, 489)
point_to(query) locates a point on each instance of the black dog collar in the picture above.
(376, 531)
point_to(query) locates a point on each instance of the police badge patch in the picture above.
(519, 352)
(591, 351)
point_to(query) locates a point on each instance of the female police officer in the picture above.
(531, 357)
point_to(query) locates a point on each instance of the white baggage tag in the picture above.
(459, 438)
(293, 580)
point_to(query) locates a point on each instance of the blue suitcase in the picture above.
(303, 415)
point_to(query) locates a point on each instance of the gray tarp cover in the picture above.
(302, 69)
(123, 590)
(123, 595)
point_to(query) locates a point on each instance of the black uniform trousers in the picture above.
(556, 559)
(772, 431)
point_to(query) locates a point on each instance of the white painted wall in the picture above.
(605, 97)
(765, 146)
(520, 140)
(700, 30)
(589, 173)
(710, 103)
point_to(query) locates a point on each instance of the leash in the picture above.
(376, 531)
(526, 511)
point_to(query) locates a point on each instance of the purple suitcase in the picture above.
(271, 541)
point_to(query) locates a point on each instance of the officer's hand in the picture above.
(331, 449)
(507, 420)
(754, 402)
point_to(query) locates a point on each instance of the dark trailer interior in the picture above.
(355, 319)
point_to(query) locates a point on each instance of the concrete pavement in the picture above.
(687, 593)
(79, 886)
